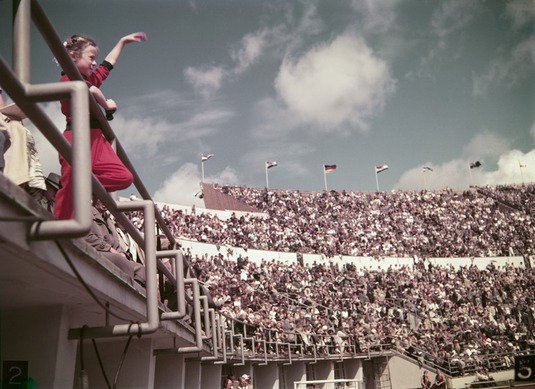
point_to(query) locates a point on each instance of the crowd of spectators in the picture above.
(458, 320)
(450, 318)
(377, 224)
(510, 195)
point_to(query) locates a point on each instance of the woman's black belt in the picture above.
(93, 123)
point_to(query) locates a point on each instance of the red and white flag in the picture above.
(380, 168)
(270, 164)
(206, 157)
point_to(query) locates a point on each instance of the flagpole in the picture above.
(521, 172)
(425, 180)
(202, 170)
(376, 179)
(471, 178)
(267, 179)
(325, 177)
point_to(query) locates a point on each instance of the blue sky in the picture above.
(356, 83)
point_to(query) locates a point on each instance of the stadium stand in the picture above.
(282, 286)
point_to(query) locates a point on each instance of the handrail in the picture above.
(196, 319)
(153, 321)
(196, 301)
(215, 338)
(222, 340)
(206, 317)
(16, 84)
(61, 55)
(178, 268)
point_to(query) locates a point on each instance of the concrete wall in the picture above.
(266, 376)
(210, 376)
(38, 337)
(292, 373)
(169, 372)
(193, 374)
(361, 263)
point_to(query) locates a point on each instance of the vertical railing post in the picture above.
(21, 39)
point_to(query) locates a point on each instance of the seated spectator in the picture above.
(21, 160)
(52, 186)
(440, 380)
(483, 379)
(103, 237)
(5, 140)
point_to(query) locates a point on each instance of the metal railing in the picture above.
(15, 81)
(212, 330)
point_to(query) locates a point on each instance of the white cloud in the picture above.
(204, 119)
(289, 154)
(521, 11)
(335, 84)
(208, 80)
(308, 25)
(377, 15)
(250, 48)
(144, 137)
(508, 70)
(205, 81)
(180, 188)
(486, 145)
(451, 16)
(456, 174)
(453, 174)
(509, 169)
(273, 120)
(448, 18)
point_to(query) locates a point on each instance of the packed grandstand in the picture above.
(459, 318)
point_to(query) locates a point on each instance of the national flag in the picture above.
(475, 164)
(427, 169)
(380, 168)
(329, 168)
(270, 164)
(206, 157)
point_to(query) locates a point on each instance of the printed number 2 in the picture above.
(15, 373)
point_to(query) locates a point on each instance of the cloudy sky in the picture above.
(352, 83)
